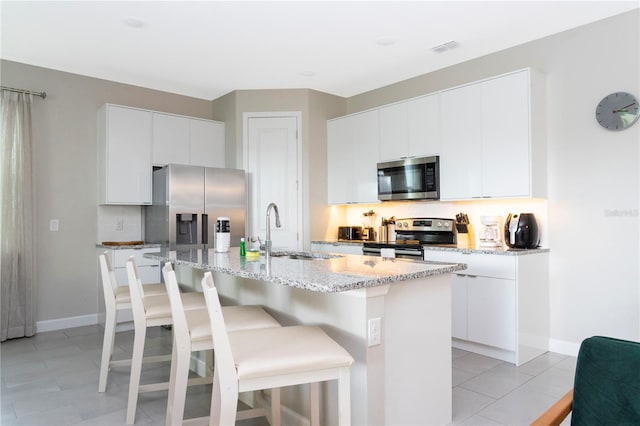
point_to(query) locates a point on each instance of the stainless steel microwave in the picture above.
(416, 178)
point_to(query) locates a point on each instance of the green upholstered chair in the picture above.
(606, 389)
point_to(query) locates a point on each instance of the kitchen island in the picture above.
(402, 369)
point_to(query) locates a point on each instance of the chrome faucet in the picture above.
(267, 243)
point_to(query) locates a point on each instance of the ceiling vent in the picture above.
(441, 48)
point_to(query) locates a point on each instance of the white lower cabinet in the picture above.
(491, 311)
(337, 248)
(500, 303)
(148, 269)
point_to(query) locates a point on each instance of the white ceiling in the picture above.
(206, 49)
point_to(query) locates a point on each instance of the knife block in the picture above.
(465, 239)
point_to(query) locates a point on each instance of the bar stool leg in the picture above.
(314, 394)
(344, 398)
(275, 407)
(178, 384)
(136, 371)
(107, 348)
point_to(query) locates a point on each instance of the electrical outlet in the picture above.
(375, 331)
(119, 224)
(54, 225)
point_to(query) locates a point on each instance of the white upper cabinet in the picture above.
(423, 126)
(352, 156)
(493, 141)
(339, 161)
(460, 162)
(207, 146)
(131, 141)
(184, 140)
(170, 139)
(506, 166)
(410, 129)
(394, 139)
(124, 155)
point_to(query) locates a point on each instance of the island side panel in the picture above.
(417, 338)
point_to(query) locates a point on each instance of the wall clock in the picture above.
(617, 111)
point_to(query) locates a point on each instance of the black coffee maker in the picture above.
(521, 231)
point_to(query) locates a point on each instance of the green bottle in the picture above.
(243, 248)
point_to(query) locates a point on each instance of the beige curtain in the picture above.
(17, 262)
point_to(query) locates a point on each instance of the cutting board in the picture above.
(122, 243)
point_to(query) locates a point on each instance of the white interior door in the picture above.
(272, 161)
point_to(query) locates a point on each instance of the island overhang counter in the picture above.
(402, 369)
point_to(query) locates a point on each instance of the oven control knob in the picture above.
(439, 224)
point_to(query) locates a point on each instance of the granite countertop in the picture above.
(505, 251)
(328, 275)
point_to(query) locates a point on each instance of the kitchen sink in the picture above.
(304, 255)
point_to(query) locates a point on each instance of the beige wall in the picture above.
(593, 173)
(65, 158)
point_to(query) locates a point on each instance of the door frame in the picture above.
(245, 160)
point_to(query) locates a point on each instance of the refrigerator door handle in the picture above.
(205, 228)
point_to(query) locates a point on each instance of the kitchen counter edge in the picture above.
(500, 251)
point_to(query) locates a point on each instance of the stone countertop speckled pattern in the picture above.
(327, 275)
(504, 251)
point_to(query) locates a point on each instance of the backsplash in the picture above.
(119, 223)
(442, 209)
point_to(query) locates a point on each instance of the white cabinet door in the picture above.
(365, 157)
(148, 269)
(492, 312)
(459, 306)
(394, 132)
(207, 143)
(461, 127)
(339, 161)
(124, 136)
(410, 129)
(423, 126)
(352, 156)
(505, 136)
(170, 139)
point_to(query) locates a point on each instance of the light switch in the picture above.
(54, 225)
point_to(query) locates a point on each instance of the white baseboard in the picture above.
(69, 322)
(563, 347)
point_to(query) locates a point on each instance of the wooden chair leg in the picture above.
(140, 334)
(172, 386)
(228, 407)
(344, 399)
(179, 380)
(314, 395)
(216, 402)
(276, 419)
(107, 348)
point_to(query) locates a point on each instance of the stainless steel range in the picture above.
(411, 235)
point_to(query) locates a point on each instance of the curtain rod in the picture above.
(11, 89)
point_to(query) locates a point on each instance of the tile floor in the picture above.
(52, 379)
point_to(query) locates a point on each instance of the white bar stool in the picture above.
(150, 311)
(191, 333)
(117, 298)
(250, 360)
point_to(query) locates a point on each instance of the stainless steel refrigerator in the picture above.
(187, 200)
